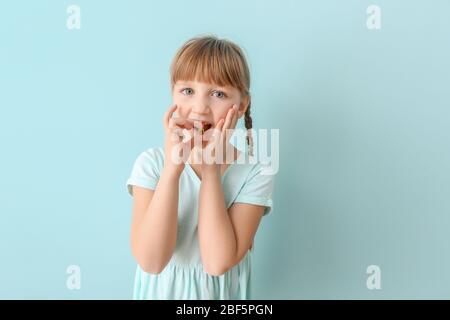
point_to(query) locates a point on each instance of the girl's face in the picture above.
(205, 103)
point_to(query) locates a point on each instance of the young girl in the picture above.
(194, 221)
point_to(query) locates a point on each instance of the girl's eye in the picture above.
(187, 91)
(220, 94)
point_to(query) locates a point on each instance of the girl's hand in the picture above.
(215, 152)
(177, 145)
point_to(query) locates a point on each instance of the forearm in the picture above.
(157, 232)
(217, 239)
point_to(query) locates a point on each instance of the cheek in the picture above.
(181, 103)
(183, 112)
(222, 109)
(177, 99)
(219, 113)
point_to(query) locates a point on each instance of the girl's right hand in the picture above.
(177, 145)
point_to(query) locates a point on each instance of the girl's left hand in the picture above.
(215, 152)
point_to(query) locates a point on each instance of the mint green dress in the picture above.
(244, 181)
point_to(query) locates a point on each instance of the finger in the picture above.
(175, 137)
(228, 129)
(217, 133)
(228, 118)
(218, 128)
(178, 131)
(235, 117)
(197, 137)
(180, 123)
(219, 124)
(187, 135)
(168, 115)
(208, 134)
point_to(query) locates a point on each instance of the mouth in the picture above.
(202, 126)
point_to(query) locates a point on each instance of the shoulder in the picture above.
(153, 156)
(258, 185)
(258, 170)
(149, 162)
(146, 169)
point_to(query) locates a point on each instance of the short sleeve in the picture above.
(257, 189)
(146, 170)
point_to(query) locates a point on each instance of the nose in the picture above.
(200, 107)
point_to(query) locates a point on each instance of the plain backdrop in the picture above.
(364, 122)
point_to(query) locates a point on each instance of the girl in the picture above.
(194, 221)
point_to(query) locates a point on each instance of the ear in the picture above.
(244, 105)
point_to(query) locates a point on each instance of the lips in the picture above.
(202, 126)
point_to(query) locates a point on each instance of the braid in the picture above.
(248, 126)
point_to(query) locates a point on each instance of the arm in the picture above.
(224, 236)
(154, 223)
(155, 213)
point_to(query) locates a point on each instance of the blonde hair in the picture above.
(218, 61)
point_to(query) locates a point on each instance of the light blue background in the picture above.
(364, 116)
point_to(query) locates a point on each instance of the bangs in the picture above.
(213, 61)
